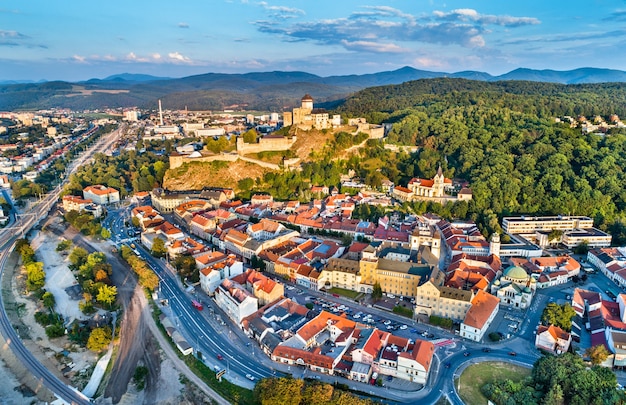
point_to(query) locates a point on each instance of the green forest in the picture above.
(129, 172)
(503, 139)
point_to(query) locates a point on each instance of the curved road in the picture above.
(9, 237)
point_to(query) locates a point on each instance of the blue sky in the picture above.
(78, 40)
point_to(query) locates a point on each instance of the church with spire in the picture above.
(430, 188)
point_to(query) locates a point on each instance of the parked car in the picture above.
(403, 327)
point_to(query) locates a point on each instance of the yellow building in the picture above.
(343, 273)
(433, 298)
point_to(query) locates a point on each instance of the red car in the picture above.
(220, 357)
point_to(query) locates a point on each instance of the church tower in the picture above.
(438, 183)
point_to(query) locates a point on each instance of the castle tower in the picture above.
(307, 102)
(494, 245)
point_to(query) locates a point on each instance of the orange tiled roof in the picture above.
(555, 331)
(320, 322)
(422, 353)
(99, 190)
(482, 307)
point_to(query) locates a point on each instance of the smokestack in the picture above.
(160, 113)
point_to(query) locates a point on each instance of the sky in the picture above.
(81, 39)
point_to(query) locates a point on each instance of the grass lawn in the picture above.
(477, 375)
(346, 293)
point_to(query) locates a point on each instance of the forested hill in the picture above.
(503, 138)
(541, 99)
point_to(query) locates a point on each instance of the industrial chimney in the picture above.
(160, 113)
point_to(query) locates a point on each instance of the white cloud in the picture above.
(79, 59)
(370, 46)
(178, 57)
(477, 41)
(430, 63)
(183, 25)
(282, 11)
(468, 14)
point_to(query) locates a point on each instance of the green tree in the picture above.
(78, 257)
(597, 354)
(377, 291)
(64, 245)
(250, 136)
(48, 300)
(158, 248)
(558, 315)
(187, 268)
(99, 339)
(284, 391)
(135, 222)
(35, 276)
(245, 184)
(105, 233)
(317, 394)
(107, 295)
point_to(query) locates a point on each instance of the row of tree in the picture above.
(147, 277)
(293, 391)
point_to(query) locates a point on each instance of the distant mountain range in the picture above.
(265, 90)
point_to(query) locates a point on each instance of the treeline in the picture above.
(564, 379)
(147, 277)
(129, 172)
(544, 100)
(502, 138)
(292, 391)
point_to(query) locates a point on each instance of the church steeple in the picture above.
(439, 171)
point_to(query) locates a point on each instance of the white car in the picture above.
(250, 377)
(403, 327)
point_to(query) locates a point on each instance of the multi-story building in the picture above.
(219, 268)
(479, 316)
(235, 300)
(531, 224)
(100, 194)
(75, 203)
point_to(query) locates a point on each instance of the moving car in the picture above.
(512, 354)
(250, 377)
(220, 357)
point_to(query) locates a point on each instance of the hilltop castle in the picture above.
(306, 117)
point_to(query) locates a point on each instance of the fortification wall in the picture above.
(265, 144)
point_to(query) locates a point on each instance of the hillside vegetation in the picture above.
(500, 137)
